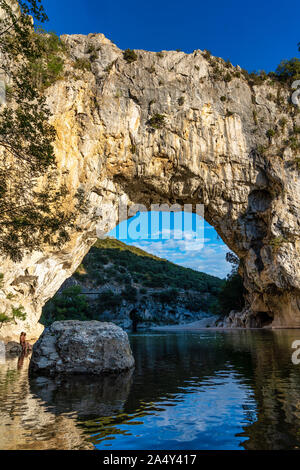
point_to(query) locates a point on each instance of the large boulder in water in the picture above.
(81, 347)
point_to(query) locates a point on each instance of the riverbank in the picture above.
(205, 323)
(199, 325)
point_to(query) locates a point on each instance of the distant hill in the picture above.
(114, 278)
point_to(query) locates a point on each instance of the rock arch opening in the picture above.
(156, 268)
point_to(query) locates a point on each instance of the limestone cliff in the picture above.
(222, 140)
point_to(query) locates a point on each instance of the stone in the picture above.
(81, 347)
(12, 348)
(208, 151)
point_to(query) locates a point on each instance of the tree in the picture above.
(30, 60)
(70, 304)
(231, 294)
(24, 127)
(289, 69)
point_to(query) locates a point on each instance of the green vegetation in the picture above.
(288, 70)
(206, 54)
(297, 162)
(138, 276)
(151, 271)
(4, 318)
(91, 49)
(29, 217)
(270, 133)
(157, 121)
(227, 77)
(108, 300)
(282, 122)
(82, 64)
(109, 66)
(130, 56)
(133, 148)
(261, 149)
(293, 143)
(47, 66)
(254, 113)
(168, 296)
(231, 295)
(277, 241)
(128, 274)
(150, 69)
(17, 313)
(70, 304)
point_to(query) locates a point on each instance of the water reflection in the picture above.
(201, 390)
(25, 423)
(84, 397)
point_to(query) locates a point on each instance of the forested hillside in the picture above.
(115, 278)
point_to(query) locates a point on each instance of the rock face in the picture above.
(74, 347)
(213, 147)
(12, 349)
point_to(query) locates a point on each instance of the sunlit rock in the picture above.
(208, 150)
(75, 347)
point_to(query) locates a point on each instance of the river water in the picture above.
(190, 390)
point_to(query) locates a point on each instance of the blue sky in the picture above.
(195, 245)
(256, 35)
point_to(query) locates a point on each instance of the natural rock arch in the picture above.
(211, 148)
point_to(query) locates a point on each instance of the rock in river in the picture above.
(81, 347)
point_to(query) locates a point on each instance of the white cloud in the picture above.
(194, 254)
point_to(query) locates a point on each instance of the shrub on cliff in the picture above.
(47, 66)
(157, 121)
(289, 69)
(4, 318)
(129, 55)
(82, 64)
(231, 294)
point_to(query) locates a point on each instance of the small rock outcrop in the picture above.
(75, 347)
